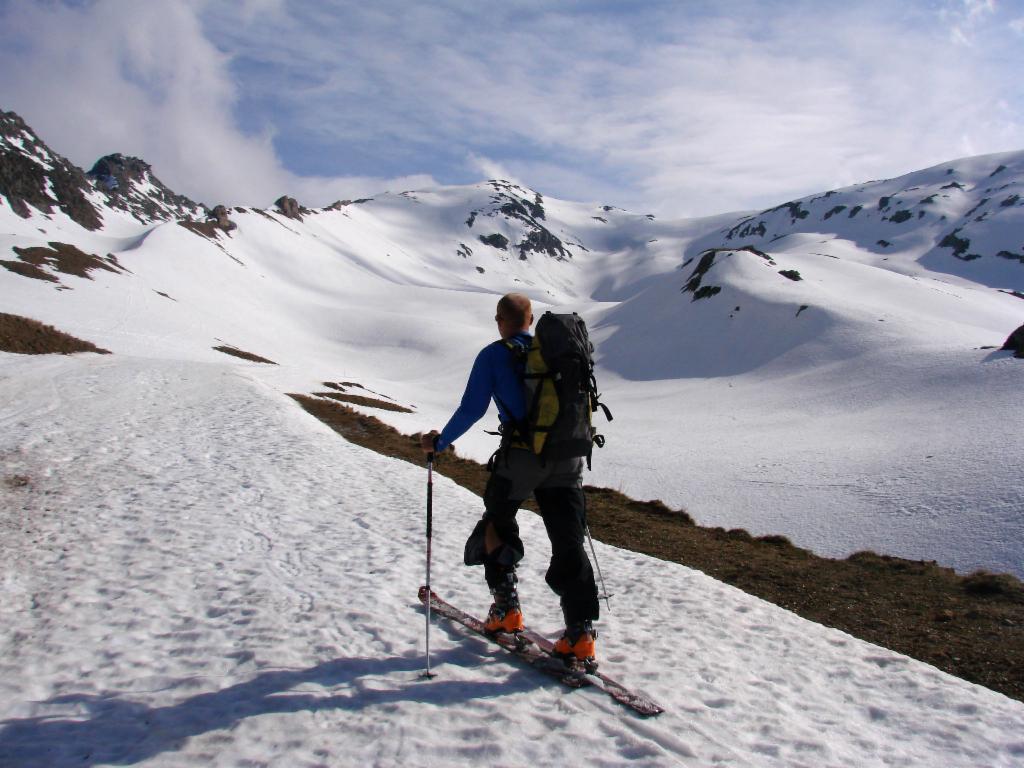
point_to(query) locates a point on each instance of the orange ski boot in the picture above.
(505, 614)
(504, 619)
(577, 646)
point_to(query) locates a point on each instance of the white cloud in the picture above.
(143, 79)
(664, 107)
(491, 169)
(978, 8)
(689, 113)
(965, 17)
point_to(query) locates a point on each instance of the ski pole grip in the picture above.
(430, 499)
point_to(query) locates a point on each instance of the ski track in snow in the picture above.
(197, 572)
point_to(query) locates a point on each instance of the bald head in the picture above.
(515, 314)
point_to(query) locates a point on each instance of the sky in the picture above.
(680, 108)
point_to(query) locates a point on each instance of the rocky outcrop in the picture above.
(32, 176)
(541, 240)
(130, 185)
(219, 217)
(290, 208)
(495, 241)
(337, 205)
(524, 210)
(693, 285)
(1015, 343)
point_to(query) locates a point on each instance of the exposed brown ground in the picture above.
(63, 258)
(28, 270)
(234, 351)
(341, 386)
(207, 229)
(17, 481)
(30, 337)
(970, 626)
(371, 402)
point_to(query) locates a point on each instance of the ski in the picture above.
(536, 650)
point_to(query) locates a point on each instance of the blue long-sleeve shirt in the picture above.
(497, 375)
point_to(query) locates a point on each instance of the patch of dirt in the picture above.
(63, 258)
(24, 336)
(17, 481)
(208, 229)
(341, 386)
(970, 626)
(266, 215)
(28, 270)
(228, 350)
(370, 402)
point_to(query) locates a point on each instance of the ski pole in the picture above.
(430, 535)
(604, 589)
(586, 527)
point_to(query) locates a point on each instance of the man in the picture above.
(516, 472)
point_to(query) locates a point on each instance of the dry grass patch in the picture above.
(28, 270)
(370, 402)
(24, 336)
(235, 352)
(208, 229)
(970, 626)
(61, 257)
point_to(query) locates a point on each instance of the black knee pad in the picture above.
(497, 494)
(475, 553)
(568, 569)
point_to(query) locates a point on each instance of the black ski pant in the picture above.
(558, 488)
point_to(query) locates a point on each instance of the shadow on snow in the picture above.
(123, 732)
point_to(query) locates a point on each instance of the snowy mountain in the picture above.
(963, 218)
(34, 177)
(782, 372)
(196, 571)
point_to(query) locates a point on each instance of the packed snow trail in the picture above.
(197, 572)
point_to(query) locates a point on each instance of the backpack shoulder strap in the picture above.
(517, 349)
(519, 353)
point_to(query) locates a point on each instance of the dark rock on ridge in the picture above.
(130, 185)
(290, 208)
(30, 171)
(1015, 342)
(219, 216)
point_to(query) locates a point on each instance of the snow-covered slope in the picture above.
(854, 407)
(964, 218)
(196, 572)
